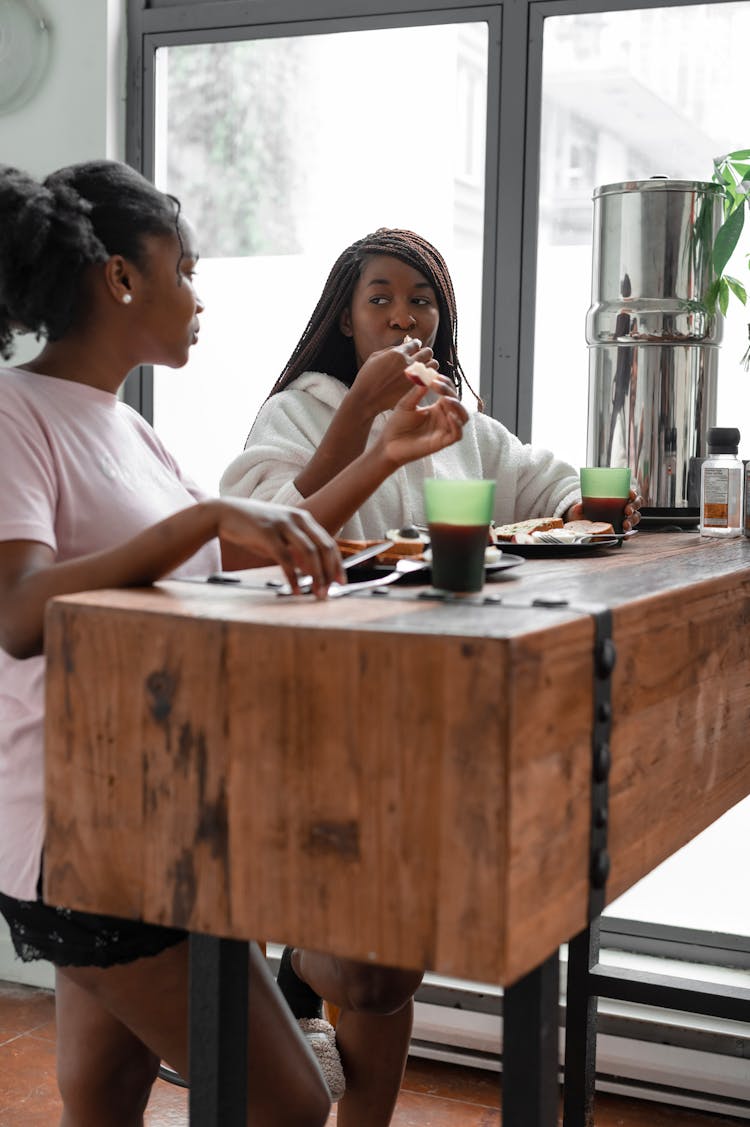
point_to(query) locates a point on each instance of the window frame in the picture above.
(153, 26)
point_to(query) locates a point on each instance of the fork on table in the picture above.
(338, 590)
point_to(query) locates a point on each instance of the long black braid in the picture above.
(324, 348)
(50, 232)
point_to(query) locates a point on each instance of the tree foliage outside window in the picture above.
(233, 126)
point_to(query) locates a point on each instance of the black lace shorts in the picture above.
(79, 939)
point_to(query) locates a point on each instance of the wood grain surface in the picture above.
(393, 778)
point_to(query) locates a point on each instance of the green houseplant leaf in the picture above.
(727, 238)
(737, 288)
(732, 174)
(712, 294)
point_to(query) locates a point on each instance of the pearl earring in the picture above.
(127, 298)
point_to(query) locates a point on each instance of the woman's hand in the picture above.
(257, 532)
(380, 382)
(413, 432)
(631, 513)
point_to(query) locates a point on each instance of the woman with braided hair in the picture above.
(100, 264)
(388, 300)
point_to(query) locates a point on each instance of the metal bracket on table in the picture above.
(605, 656)
(583, 950)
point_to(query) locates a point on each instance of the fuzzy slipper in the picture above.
(301, 998)
(321, 1036)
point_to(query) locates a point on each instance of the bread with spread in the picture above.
(420, 373)
(508, 532)
(401, 549)
(522, 532)
(590, 527)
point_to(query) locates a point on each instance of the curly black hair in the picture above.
(324, 348)
(50, 232)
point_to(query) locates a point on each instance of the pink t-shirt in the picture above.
(82, 472)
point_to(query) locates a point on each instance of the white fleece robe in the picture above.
(531, 482)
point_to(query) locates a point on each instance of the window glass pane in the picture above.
(284, 151)
(617, 107)
(703, 886)
(626, 96)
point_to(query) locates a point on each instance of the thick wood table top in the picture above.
(392, 777)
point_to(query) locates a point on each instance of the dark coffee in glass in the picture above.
(458, 556)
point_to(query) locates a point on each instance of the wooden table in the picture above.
(394, 778)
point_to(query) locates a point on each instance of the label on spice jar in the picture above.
(715, 498)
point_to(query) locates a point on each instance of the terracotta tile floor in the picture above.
(433, 1095)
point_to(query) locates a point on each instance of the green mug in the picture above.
(458, 517)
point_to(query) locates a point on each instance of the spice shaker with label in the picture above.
(746, 526)
(721, 485)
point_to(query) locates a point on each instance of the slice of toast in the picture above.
(420, 374)
(590, 527)
(506, 532)
(405, 548)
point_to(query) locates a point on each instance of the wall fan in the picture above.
(24, 51)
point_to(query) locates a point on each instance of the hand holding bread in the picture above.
(381, 380)
(413, 431)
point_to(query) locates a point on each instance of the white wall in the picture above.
(77, 113)
(78, 110)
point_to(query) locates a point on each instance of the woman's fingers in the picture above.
(290, 537)
(306, 549)
(443, 386)
(440, 384)
(321, 553)
(425, 356)
(412, 349)
(412, 398)
(632, 511)
(454, 410)
(447, 407)
(413, 431)
(454, 416)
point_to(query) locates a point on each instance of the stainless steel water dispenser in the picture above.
(653, 345)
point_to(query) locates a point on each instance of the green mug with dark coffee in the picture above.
(604, 493)
(458, 517)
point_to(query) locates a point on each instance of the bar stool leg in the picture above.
(530, 1048)
(219, 977)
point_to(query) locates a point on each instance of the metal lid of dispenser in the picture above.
(652, 263)
(658, 184)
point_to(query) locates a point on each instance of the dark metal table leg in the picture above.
(218, 1032)
(530, 1048)
(580, 1030)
